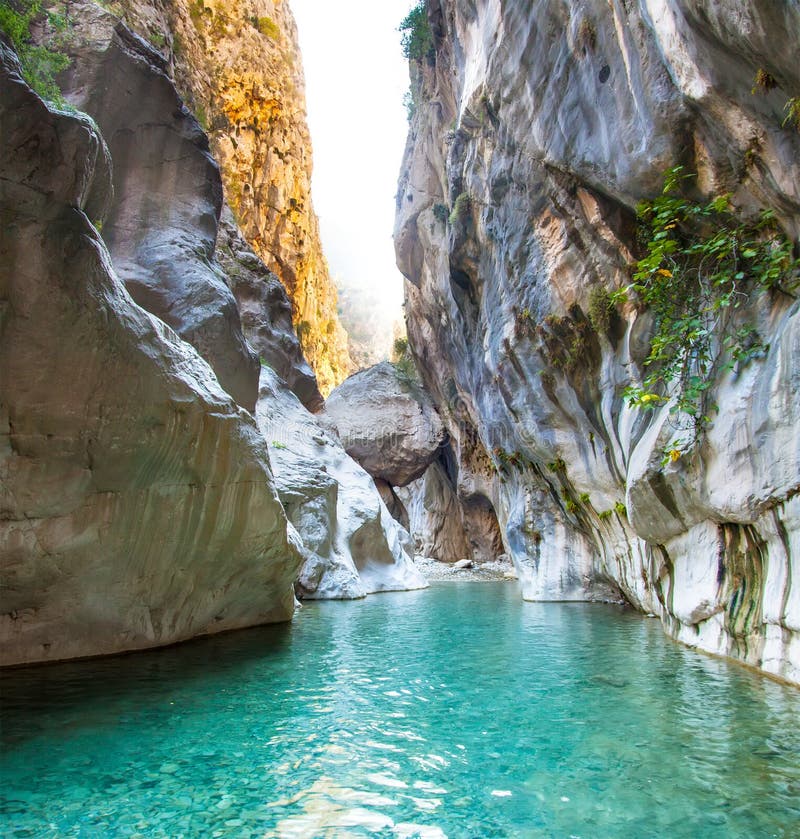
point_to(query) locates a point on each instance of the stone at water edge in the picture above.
(138, 505)
(463, 564)
(353, 546)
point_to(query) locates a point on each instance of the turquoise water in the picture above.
(459, 711)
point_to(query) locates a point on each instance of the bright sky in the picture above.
(355, 80)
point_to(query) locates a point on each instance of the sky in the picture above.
(356, 77)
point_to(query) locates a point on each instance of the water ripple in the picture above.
(454, 712)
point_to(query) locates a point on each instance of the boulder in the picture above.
(353, 546)
(386, 422)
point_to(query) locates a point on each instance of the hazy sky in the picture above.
(355, 80)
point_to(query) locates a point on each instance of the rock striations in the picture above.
(538, 128)
(138, 507)
(139, 504)
(239, 67)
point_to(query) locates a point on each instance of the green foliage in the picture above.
(600, 309)
(606, 514)
(417, 38)
(196, 11)
(793, 112)
(276, 444)
(266, 26)
(403, 361)
(620, 509)
(40, 64)
(410, 104)
(461, 208)
(440, 213)
(701, 266)
(202, 116)
(568, 343)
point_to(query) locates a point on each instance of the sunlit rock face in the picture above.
(538, 128)
(138, 507)
(239, 67)
(352, 545)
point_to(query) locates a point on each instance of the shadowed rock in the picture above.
(162, 226)
(137, 505)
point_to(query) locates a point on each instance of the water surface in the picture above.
(459, 711)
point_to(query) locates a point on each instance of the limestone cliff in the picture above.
(538, 128)
(137, 503)
(239, 67)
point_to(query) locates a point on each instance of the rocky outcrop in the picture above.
(435, 516)
(239, 67)
(387, 423)
(352, 545)
(161, 228)
(266, 313)
(538, 128)
(138, 507)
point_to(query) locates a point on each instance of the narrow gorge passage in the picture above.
(514, 556)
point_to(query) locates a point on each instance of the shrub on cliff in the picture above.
(702, 264)
(40, 64)
(417, 39)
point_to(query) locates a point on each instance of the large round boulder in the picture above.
(387, 423)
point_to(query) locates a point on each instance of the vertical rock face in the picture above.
(239, 66)
(137, 503)
(161, 227)
(538, 128)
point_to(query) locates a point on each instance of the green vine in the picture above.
(702, 264)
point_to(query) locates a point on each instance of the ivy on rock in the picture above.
(702, 266)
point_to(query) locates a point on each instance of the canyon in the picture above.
(182, 451)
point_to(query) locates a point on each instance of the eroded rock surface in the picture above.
(239, 67)
(538, 128)
(138, 507)
(353, 546)
(386, 423)
(266, 313)
(161, 228)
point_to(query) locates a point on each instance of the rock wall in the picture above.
(138, 507)
(351, 543)
(538, 128)
(239, 67)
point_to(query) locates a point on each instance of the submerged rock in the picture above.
(138, 507)
(388, 424)
(353, 546)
